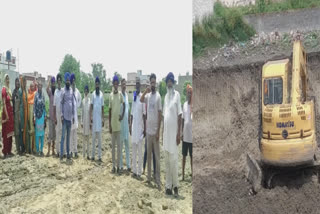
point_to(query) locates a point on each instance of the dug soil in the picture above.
(30, 184)
(226, 122)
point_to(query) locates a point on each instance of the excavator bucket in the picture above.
(254, 174)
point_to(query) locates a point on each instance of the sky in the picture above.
(123, 35)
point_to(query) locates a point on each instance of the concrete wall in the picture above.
(302, 20)
(12, 76)
(203, 7)
(231, 3)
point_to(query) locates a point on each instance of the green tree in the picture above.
(162, 89)
(71, 65)
(99, 71)
(91, 83)
(183, 96)
(108, 89)
(185, 87)
(86, 79)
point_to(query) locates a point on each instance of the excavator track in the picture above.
(254, 174)
(271, 173)
(263, 176)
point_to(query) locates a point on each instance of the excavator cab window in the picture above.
(273, 91)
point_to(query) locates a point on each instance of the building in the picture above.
(8, 68)
(131, 82)
(36, 76)
(181, 80)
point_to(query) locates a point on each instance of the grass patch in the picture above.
(226, 24)
(267, 6)
(219, 28)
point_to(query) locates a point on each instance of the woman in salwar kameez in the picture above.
(31, 95)
(24, 128)
(7, 118)
(39, 115)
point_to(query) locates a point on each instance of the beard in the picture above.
(53, 88)
(68, 86)
(97, 91)
(170, 90)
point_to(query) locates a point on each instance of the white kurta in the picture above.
(77, 102)
(97, 102)
(137, 112)
(57, 103)
(85, 116)
(171, 111)
(187, 126)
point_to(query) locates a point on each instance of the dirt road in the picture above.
(30, 184)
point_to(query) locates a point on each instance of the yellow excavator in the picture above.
(287, 138)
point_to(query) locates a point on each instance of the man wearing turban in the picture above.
(115, 118)
(96, 113)
(187, 129)
(172, 113)
(57, 114)
(67, 115)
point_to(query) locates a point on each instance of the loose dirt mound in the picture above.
(226, 112)
(30, 184)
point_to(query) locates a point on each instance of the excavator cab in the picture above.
(287, 117)
(273, 91)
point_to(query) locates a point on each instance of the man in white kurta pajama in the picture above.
(138, 131)
(172, 112)
(97, 106)
(57, 112)
(74, 127)
(85, 121)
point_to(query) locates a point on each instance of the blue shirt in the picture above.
(67, 104)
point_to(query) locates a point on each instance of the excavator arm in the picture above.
(299, 74)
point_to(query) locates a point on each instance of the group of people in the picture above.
(24, 116)
(145, 123)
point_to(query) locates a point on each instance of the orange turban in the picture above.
(189, 88)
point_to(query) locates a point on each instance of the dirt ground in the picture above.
(30, 184)
(226, 129)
